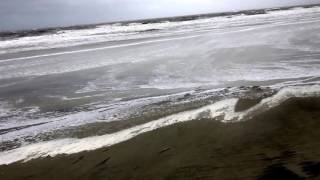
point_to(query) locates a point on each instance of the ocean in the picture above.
(68, 90)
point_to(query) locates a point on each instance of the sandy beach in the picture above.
(280, 143)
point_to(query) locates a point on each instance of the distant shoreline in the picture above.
(4, 35)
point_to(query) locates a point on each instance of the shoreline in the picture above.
(11, 34)
(283, 141)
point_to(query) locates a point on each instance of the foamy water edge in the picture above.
(224, 108)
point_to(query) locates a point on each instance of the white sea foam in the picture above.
(100, 112)
(223, 108)
(275, 30)
(118, 32)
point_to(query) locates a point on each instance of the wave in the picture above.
(223, 111)
(12, 42)
(5, 35)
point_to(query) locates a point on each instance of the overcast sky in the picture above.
(26, 14)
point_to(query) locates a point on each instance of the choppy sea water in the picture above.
(76, 90)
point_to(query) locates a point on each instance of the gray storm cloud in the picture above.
(26, 14)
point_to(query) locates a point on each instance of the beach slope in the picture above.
(283, 142)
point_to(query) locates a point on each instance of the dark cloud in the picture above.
(25, 14)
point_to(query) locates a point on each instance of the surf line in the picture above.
(99, 48)
(143, 42)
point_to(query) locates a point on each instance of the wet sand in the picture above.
(282, 143)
